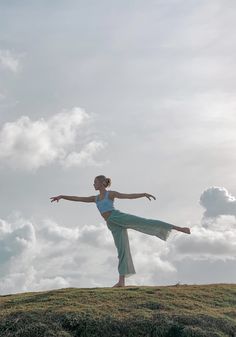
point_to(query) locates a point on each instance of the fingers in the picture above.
(149, 195)
(54, 199)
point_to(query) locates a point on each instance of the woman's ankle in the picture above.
(122, 279)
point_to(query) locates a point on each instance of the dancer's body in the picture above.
(118, 222)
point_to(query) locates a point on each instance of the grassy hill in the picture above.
(162, 311)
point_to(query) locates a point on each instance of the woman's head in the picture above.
(101, 182)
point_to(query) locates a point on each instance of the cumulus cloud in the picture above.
(29, 145)
(55, 233)
(208, 255)
(14, 242)
(27, 279)
(214, 238)
(85, 156)
(9, 61)
(46, 255)
(210, 244)
(154, 268)
(218, 201)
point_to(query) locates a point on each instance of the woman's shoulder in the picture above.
(111, 194)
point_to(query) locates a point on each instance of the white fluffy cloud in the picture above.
(218, 201)
(62, 138)
(215, 237)
(14, 242)
(217, 242)
(9, 61)
(85, 156)
(41, 256)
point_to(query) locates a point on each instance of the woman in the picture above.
(118, 223)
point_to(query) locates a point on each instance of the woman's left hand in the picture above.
(149, 196)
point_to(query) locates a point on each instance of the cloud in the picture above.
(91, 235)
(214, 238)
(29, 145)
(9, 61)
(85, 156)
(55, 233)
(217, 201)
(155, 270)
(13, 242)
(46, 255)
(205, 244)
(17, 282)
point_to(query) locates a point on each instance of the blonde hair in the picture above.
(104, 180)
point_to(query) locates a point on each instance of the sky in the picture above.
(141, 92)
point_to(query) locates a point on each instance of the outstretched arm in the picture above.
(132, 196)
(73, 198)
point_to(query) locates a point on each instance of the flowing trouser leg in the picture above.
(154, 227)
(121, 239)
(118, 222)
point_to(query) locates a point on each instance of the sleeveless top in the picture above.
(105, 204)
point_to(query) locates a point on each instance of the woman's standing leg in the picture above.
(121, 239)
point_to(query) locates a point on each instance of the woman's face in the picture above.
(97, 184)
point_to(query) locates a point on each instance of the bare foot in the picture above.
(186, 230)
(182, 229)
(119, 285)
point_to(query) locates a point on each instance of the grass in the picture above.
(155, 311)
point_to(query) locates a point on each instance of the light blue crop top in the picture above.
(105, 204)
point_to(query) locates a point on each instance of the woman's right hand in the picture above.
(149, 196)
(56, 198)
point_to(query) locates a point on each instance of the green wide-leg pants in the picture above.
(118, 223)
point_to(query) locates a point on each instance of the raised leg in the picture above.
(154, 227)
(182, 229)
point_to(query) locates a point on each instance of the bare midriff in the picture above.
(106, 215)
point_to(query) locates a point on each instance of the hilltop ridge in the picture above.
(155, 311)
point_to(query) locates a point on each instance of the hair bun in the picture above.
(108, 181)
(105, 181)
